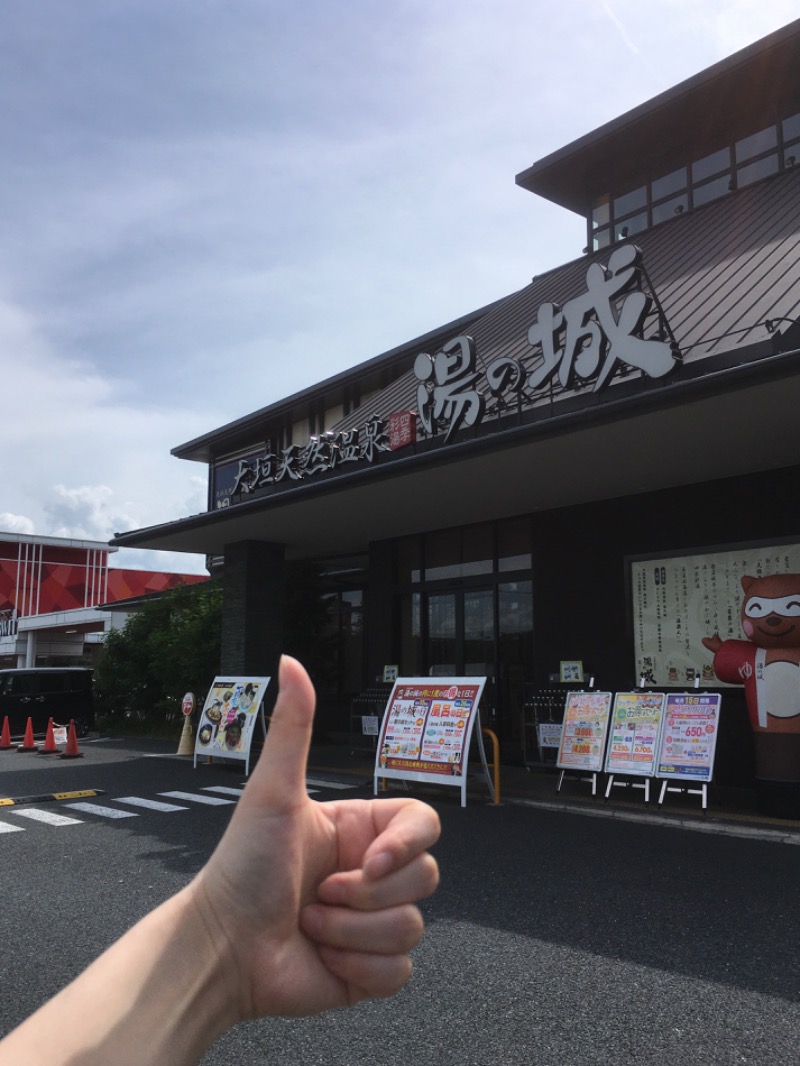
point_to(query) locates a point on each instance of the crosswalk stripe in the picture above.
(101, 811)
(36, 814)
(6, 828)
(194, 797)
(152, 805)
(226, 789)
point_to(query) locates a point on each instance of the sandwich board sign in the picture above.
(228, 719)
(633, 737)
(582, 742)
(688, 741)
(426, 731)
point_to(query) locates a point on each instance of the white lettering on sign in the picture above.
(588, 339)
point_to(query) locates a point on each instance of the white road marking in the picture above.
(193, 797)
(6, 828)
(226, 789)
(36, 814)
(152, 805)
(103, 812)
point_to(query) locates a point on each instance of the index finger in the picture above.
(404, 828)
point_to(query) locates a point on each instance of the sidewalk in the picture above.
(730, 811)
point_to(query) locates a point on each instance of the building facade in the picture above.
(51, 593)
(581, 472)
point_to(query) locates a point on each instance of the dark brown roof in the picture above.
(720, 273)
(730, 100)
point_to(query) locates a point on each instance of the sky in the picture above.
(209, 205)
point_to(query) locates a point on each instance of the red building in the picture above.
(51, 590)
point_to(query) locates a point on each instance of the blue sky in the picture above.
(206, 206)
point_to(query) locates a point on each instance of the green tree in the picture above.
(169, 646)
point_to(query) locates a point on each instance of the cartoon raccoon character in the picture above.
(768, 665)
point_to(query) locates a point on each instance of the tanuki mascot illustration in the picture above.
(768, 665)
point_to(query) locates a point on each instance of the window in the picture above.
(757, 144)
(630, 201)
(711, 165)
(670, 183)
(762, 168)
(670, 208)
(628, 226)
(756, 156)
(712, 190)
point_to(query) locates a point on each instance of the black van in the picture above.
(58, 692)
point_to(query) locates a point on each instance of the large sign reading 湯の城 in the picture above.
(228, 719)
(426, 730)
(608, 327)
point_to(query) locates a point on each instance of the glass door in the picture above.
(461, 642)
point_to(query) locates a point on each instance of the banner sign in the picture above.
(228, 719)
(679, 600)
(583, 731)
(635, 726)
(427, 728)
(689, 736)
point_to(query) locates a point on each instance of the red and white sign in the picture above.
(401, 429)
(188, 704)
(427, 728)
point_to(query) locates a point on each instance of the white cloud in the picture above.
(208, 207)
(16, 523)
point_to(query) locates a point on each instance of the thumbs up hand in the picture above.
(310, 905)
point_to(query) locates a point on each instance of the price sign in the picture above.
(583, 732)
(689, 736)
(633, 736)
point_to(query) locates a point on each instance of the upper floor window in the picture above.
(757, 156)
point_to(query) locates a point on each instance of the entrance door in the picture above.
(461, 640)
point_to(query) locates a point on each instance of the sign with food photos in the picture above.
(228, 719)
(426, 730)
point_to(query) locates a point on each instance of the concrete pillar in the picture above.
(379, 630)
(252, 613)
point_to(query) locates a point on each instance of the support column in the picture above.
(252, 613)
(30, 649)
(379, 630)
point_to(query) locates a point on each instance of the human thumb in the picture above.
(280, 773)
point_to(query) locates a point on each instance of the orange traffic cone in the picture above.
(71, 750)
(49, 740)
(5, 736)
(28, 744)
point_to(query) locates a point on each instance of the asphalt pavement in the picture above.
(567, 928)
